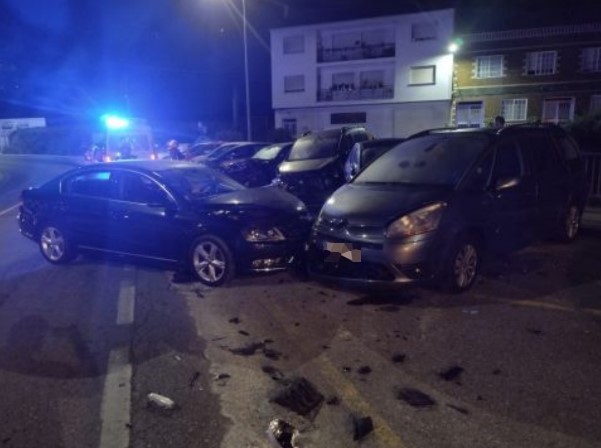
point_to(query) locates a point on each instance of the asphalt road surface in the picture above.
(515, 362)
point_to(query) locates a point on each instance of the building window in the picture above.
(424, 31)
(294, 44)
(469, 114)
(372, 79)
(290, 125)
(591, 60)
(343, 81)
(294, 83)
(422, 75)
(558, 110)
(514, 110)
(348, 118)
(541, 63)
(595, 103)
(489, 67)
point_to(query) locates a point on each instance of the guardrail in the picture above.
(592, 166)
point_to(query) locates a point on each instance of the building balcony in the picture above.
(356, 52)
(348, 93)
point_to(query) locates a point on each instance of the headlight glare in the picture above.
(256, 235)
(421, 221)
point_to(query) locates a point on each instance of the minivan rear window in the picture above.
(316, 146)
(437, 159)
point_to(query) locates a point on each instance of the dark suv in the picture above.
(429, 207)
(315, 167)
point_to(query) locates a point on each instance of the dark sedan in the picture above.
(261, 168)
(164, 210)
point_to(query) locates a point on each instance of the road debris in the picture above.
(534, 331)
(194, 379)
(244, 333)
(364, 370)
(234, 320)
(496, 372)
(161, 402)
(347, 369)
(249, 349)
(271, 354)
(362, 426)
(389, 309)
(300, 396)
(415, 398)
(452, 373)
(273, 372)
(333, 401)
(399, 358)
(458, 409)
(282, 434)
(470, 311)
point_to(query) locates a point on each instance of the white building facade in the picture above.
(391, 74)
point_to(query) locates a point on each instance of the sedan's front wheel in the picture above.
(212, 260)
(55, 245)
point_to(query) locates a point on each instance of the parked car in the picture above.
(164, 210)
(315, 167)
(261, 168)
(363, 153)
(428, 208)
(230, 151)
(201, 149)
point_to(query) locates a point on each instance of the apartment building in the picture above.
(391, 74)
(551, 74)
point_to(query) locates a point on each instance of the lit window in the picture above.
(469, 114)
(294, 44)
(424, 31)
(558, 110)
(541, 63)
(423, 75)
(294, 83)
(596, 103)
(514, 110)
(591, 60)
(489, 66)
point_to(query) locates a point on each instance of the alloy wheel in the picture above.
(466, 265)
(209, 262)
(53, 243)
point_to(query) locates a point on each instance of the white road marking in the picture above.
(115, 411)
(9, 209)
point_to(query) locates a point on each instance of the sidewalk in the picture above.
(591, 218)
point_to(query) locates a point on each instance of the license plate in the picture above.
(341, 250)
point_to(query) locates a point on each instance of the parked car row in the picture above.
(417, 210)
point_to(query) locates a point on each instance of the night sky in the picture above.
(182, 60)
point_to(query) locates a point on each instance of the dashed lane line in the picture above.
(9, 209)
(116, 399)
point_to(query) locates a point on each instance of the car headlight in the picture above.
(255, 235)
(418, 222)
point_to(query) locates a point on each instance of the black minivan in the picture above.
(428, 208)
(314, 168)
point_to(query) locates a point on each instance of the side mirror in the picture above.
(505, 183)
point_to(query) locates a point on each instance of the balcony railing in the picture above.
(359, 51)
(592, 166)
(350, 94)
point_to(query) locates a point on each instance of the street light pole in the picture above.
(248, 128)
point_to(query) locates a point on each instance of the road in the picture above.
(514, 362)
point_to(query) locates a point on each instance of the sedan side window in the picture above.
(141, 189)
(99, 184)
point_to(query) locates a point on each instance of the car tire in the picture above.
(55, 244)
(461, 266)
(211, 261)
(569, 226)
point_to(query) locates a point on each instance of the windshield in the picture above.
(439, 159)
(316, 146)
(268, 153)
(198, 182)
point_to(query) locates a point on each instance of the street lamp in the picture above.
(248, 128)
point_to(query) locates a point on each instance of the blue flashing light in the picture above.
(115, 122)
